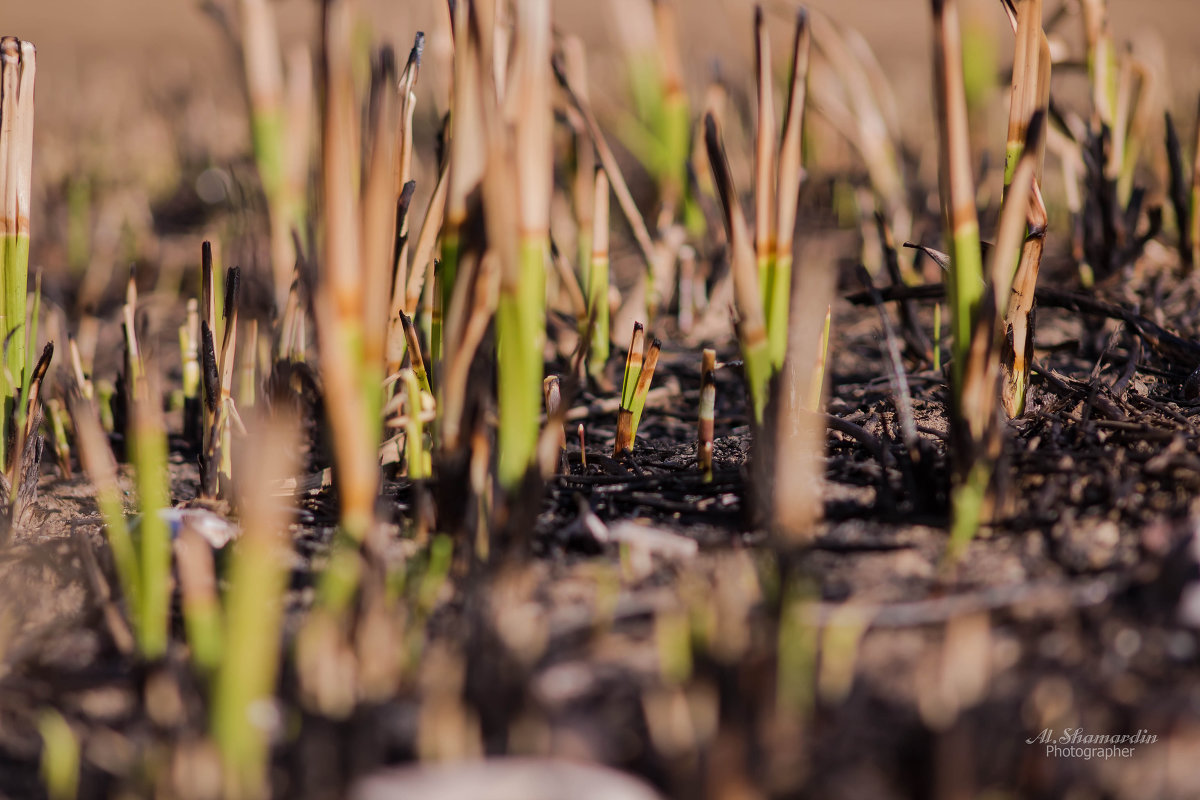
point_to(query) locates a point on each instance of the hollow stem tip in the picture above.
(708, 409)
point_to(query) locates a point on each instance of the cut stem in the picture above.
(18, 70)
(708, 412)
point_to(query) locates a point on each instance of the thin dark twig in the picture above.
(904, 409)
(1166, 343)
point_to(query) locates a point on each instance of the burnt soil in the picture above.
(1071, 611)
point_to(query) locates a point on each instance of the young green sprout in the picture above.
(597, 279)
(791, 173)
(149, 441)
(639, 371)
(413, 346)
(777, 180)
(244, 682)
(414, 436)
(96, 456)
(60, 756)
(633, 364)
(58, 428)
(645, 376)
(762, 274)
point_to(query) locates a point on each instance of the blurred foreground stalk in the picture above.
(245, 682)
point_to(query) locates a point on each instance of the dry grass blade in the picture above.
(752, 331)
(1030, 99)
(404, 191)
(708, 411)
(861, 112)
(633, 364)
(475, 300)
(406, 296)
(598, 311)
(1030, 82)
(233, 283)
(381, 201)
(799, 437)
(583, 191)
(620, 189)
(96, 457)
(413, 345)
(408, 104)
(764, 152)
(568, 282)
(468, 159)
(965, 277)
(791, 167)
(339, 301)
(1010, 234)
(552, 445)
(790, 175)
(1102, 62)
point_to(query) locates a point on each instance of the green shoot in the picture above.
(598, 280)
(60, 756)
(18, 70)
(633, 364)
(971, 473)
(152, 621)
(639, 373)
(245, 679)
(521, 312)
(198, 597)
